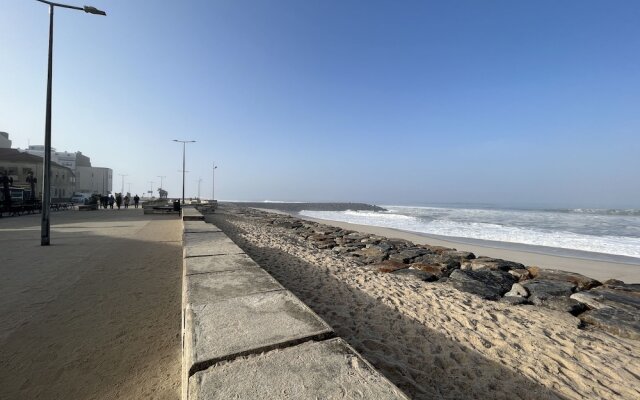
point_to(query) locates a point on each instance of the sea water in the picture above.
(607, 231)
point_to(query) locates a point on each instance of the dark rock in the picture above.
(370, 254)
(459, 255)
(327, 244)
(542, 289)
(488, 263)
(438, 249)
(390, 266)
(619, 285)
(618, 298)
(614, 320)
(520, 274)
(581, 281)
(560, 303)
(415, 273)
(434, 269)
(441, 259)
(515, 300)
(384, 246)
(407, 255)
(485, 283)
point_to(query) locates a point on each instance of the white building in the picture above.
(88, 179)
(5, 143)
(94, 179)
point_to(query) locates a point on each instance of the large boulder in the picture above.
(484, 283)
(560, 303)
(449, 261)
(415, 274)
(437, 270)
(390, 266)
(407, 255)
(371, 254)
(517, 290)
(617, 321)
(540, 289)
(488, 263)
(609, 297)
(582, 282)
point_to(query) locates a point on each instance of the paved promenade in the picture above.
(96, 315)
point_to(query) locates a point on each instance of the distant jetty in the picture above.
(297, 207)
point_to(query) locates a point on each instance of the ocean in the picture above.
(606, 231)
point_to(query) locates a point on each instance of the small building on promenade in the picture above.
(19, 166)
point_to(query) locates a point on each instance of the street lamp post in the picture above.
(213, 182)
(161, 178)
(199, 181)
(184, 145)
(45, 228)
(151, 191)
(122, 189)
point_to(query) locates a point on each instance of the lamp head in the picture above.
(93, 10)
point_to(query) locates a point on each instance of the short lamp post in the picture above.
(184, 145)
(45, 228)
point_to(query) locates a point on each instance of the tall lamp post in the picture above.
(161, 178)
(213, 182)
(45, 228)
(184, 145)
(151, 191)
(122, 175)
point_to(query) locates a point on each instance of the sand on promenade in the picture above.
(96, 315)
(436, 342)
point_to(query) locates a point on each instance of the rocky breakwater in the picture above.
(612, 306)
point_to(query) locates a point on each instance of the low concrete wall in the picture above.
(245, 336)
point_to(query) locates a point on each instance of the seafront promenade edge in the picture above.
(245, 336)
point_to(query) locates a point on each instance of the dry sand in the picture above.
(436, 342)
(97, 314)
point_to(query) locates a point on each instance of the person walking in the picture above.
(136, 200)
(118, 200)
(126, 201)
(111, 201)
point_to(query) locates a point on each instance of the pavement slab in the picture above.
(210, 288)
(199, 227)
(313, 370)
(245, 325)
(219, 263)
(208, 244)
(191, 214)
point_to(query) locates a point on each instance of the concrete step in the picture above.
(313, 370)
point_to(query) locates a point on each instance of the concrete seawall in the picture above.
(245, 336)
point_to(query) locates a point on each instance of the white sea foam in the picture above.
(587, 232)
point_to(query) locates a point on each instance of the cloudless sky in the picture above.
(392, 102)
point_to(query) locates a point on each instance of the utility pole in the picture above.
(151, 191)
(199, 181)
(161, 178)
(184, 146)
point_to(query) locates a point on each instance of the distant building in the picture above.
(5, 143)
(88, 179)
(94, 179)
(18, 165)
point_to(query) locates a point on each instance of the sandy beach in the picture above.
(434, 341)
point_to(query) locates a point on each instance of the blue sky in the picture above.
(503, 102)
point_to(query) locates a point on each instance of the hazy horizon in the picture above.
(504, 103)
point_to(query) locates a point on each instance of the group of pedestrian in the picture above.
(118, 200)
